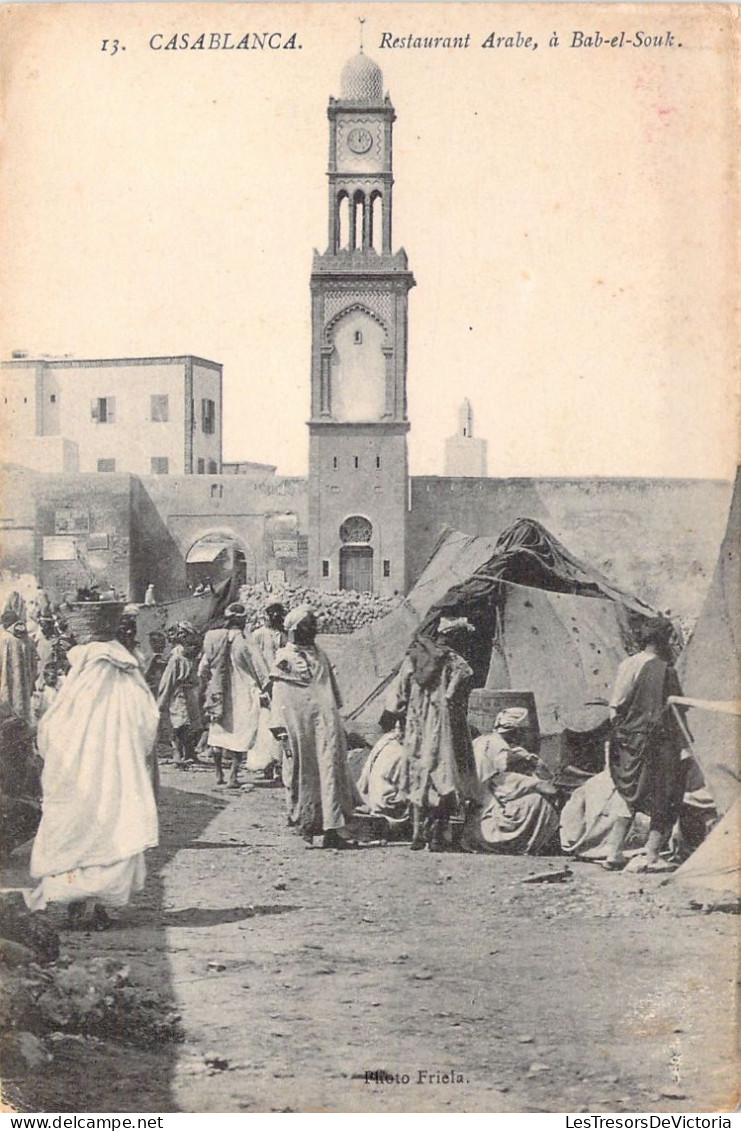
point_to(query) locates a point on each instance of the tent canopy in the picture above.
(710, 668)
(714, 866)
(525, 594)
(527, 554)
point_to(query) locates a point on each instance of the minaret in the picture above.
(358, 467)
(465, 455)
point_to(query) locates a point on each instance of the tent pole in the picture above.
(682, 726)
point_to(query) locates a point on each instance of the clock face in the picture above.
(359, 140)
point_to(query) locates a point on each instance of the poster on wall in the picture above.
(446, 296)
(71, 520)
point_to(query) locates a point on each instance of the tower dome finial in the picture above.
(361, 80)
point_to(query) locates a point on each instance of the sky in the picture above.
(568, 214)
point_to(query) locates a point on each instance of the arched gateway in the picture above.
(216, 556)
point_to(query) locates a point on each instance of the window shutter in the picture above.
(95, 409)
(208, 415)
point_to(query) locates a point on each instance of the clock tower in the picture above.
(358, 468)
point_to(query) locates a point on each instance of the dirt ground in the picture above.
(299, 972)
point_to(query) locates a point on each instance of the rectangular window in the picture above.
(106, 465)
(208, 416)
(334, 462)
(213, 468)
(378, 461)
(201, 467)
(357, 462)
(103, 410)
(325, 568)
(53, 398)
(160, 465)
(386, 568)
(159, 410)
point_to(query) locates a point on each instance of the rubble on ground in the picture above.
(337, 613)
(90, 997)
(21, 927)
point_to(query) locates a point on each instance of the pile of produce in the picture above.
(342, 612)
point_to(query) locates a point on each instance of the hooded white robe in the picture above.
(99, 811)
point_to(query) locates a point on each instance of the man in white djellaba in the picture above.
(99, 811)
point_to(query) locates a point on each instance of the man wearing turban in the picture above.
(233, 675)
(266, 753)
(516, 815)
(17, 666)
(430, 698)
(305, 715)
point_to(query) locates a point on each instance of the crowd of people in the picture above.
(101, 711)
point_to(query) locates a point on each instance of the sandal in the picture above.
(661, 866)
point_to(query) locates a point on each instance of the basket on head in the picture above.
(94, 620)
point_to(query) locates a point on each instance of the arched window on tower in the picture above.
(343, 221)
(358, 219)
(376, 221)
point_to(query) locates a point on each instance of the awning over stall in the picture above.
(206, 552)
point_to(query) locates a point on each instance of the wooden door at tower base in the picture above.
(356, 568)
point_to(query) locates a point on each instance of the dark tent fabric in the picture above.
(202, 612)
(224, 595)
(365, 662)
(527, 554)
(525, 595)
(710, 668)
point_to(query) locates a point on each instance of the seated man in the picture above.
(589, 815)
(516, 816)
(381, 781)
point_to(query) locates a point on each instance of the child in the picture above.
(178, 694)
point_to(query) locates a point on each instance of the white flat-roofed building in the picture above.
(140, 415)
